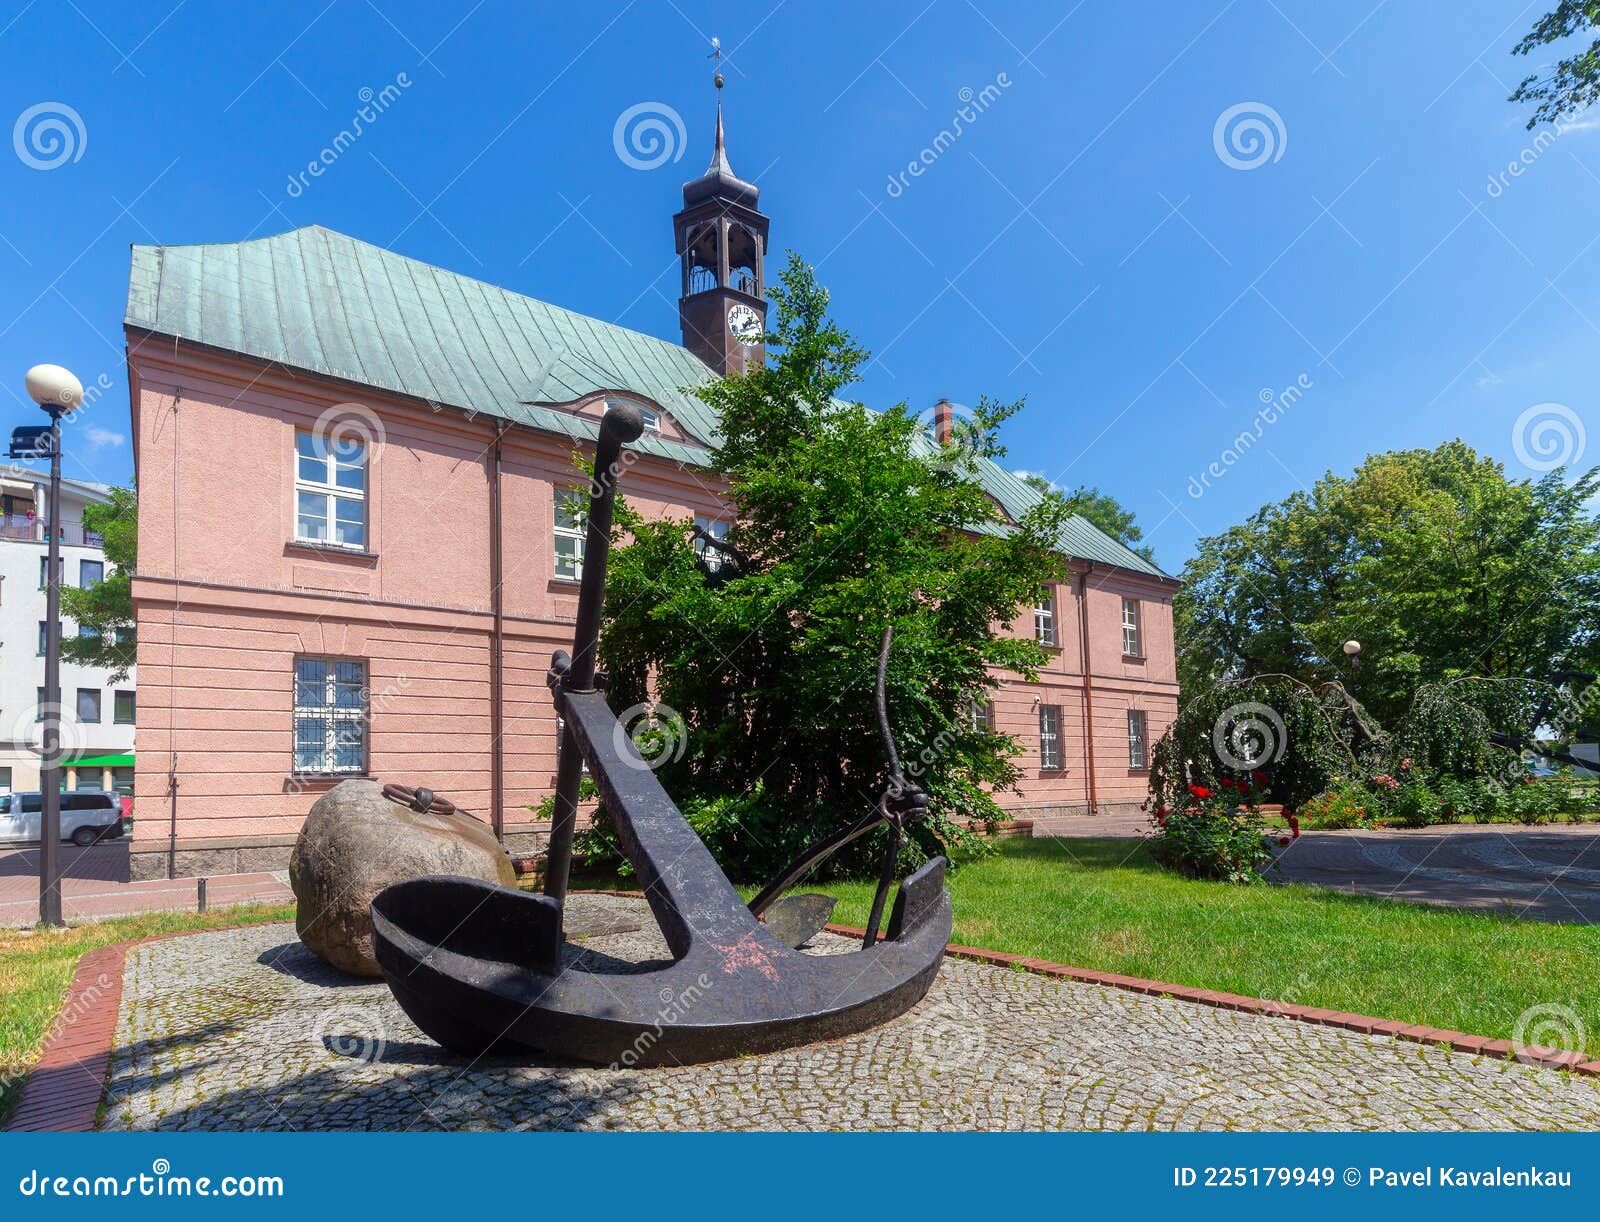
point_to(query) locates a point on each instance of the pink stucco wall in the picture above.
(225, 602)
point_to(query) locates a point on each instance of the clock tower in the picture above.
(721, 239)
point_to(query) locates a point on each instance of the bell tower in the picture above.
(721, 239)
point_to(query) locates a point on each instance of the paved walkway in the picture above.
(94, 885)
(244, 1029)
(1119, 824)
(1546, 873)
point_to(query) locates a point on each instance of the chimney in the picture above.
(943, 422)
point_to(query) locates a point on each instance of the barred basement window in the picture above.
(1049, 737)
(1044, 620)
(1136, 753)
(330, 716)
(569, 531)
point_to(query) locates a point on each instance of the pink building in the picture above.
(352, 558)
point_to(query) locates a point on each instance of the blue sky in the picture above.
(1092, 238)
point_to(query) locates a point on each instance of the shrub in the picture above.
(1213, 836)
(1414, 804)
(1536, 801)
(1342, 804)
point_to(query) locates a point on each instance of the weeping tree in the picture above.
(1291, 737)
(751, 679)
(1296, 739)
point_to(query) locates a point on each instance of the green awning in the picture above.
(100, 761)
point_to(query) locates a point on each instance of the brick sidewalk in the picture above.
(92, 887)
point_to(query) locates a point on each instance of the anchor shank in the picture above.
(622, 423)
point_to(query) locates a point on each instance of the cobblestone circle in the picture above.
(245, 1029)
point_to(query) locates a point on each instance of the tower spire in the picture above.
(721, 237)
(719, 151)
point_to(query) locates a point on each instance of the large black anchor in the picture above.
(478, 967)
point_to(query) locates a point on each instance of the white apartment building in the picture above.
(97, 715)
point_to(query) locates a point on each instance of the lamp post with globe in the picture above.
(57, 392)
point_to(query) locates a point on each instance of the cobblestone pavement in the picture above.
(244, 1029)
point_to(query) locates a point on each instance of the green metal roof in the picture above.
(319, 301)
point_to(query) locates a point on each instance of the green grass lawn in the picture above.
(35, 969)
(1104, 905)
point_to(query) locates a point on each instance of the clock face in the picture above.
(744, 322)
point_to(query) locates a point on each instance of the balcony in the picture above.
(30, 529)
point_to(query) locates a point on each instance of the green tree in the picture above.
(106, 608)
(1098, 508)
(846, 520)
(1434, 560)
(1574, 83)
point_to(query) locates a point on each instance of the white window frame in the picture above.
(1138, 750)
(331, 491)
(1044, 621)
(713, 558)
(1132, 628)
(652, 419)
(333, 715)
(1050, 738)
(576, 531)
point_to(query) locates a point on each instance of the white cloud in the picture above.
(1024, 474)
(99, 437)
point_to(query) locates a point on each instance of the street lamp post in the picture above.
(57, 392)
(1352, 650)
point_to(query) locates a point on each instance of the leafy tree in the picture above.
(1099, 508)
(1574, 83)
(1434, 560)
(106, 608)
(847, 520)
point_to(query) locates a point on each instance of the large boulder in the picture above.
(356, 842)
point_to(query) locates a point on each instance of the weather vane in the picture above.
(716, 54)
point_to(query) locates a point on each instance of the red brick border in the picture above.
(1458, 1041)
(63, 1091)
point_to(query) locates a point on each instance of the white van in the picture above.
(85, 817)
